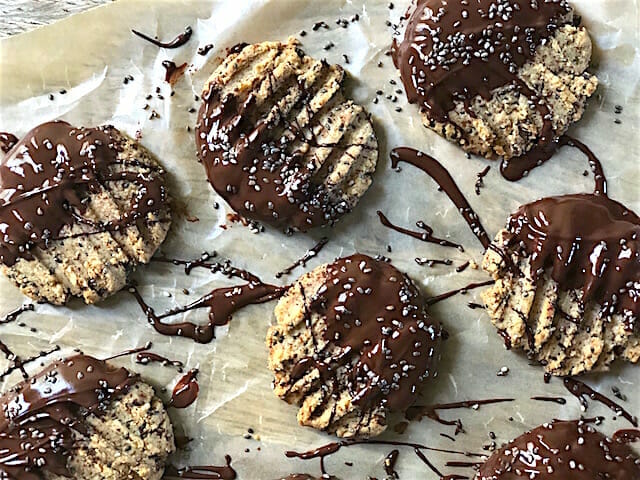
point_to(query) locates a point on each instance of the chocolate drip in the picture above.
(222, 304)
(581, 391)
(430, 262)
(145, 358)
(205, 49)
(202, 472)
(224, 267)
(425, 236)
(587, 242)
(463, 290)
(46, 181)
(377, 318)
(517, 168)
(13, 316)
(455, 51)
(186, 390)
(558, 400)
(390, 464)
(627, 436)
(173, 72)
(463, 267)
(562, 450)
(7, 141)
(480, 179)
(312, 252)
(41, 417)
(443, 178)
(331, 448)
(417, 412)
(180, 40)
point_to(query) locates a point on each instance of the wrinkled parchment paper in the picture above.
(90, 54)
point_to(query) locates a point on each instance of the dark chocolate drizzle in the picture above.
(180, 40)
(516, 168)
(186, 390)
(202, 472)
(463, 290)
(222, 304)
(145, 358)
(377, 318)
(331, 448)
(562, 450)
(417, 412)
(390, 464)
(558, 400)
(7, 141)
(454, 51)
(443, 178)
(309, 254)
(41, 417)
(582, 391)
(426, 235)
(45, 182)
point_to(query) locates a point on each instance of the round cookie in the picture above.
(98, 422)
(567, 288)
(81, 208)
(279, 141)
(562, 450)
(353, 340)
(496, 77)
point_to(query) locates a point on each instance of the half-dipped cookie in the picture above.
(80, 208)
(562, 450)
(353, 340)
(278, 139)
(496, 77)
(567, 288)
(85, 419)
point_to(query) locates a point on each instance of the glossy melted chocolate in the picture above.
(257, 169)
(456, 50)
(562, 450)
(377, 318)
(41, 416)
(588, 242)
(46, 181)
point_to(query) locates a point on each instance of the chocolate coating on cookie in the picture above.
(39, 419)
(588, 242)
(278, 140)
(46, 181)
(453, 51)
(375, 311)
(562, 450)
(353, 341)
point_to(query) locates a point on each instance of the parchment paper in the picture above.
(90, 54)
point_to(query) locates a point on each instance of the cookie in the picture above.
(84, 419)
(82, 207)
(279, 141)
(562, 450)
(496, 77)
(567, 273)
(353, 341)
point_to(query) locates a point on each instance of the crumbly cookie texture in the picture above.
(327, 148)
(548, 322)
(93, 266)
(296, 336)
(509, 124)
(131, 440)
